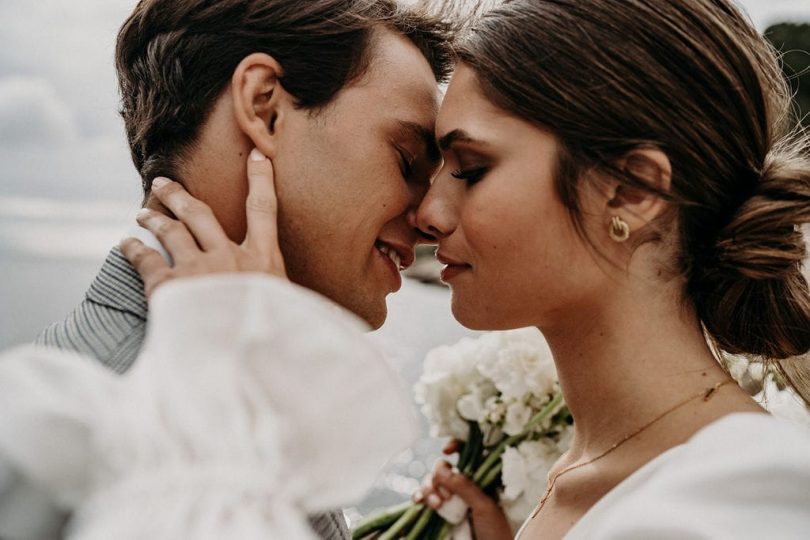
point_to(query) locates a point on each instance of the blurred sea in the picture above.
(50, 251)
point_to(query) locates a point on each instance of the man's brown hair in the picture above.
(174, 58)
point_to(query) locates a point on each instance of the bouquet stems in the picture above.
(496, 454)
(400, 525)
(417, 521)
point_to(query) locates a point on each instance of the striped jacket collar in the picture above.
(119, 286)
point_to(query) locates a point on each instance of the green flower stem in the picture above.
(495, 455)
(444, 531)
(472, 448)
(476, 447)
(402, 523)
(420, 525)
(491, 476)
(379, 521)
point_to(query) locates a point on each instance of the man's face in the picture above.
(349, 179)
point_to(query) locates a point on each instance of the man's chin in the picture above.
(370, 307)
(373, 315)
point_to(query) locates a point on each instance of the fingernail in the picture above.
(434, 501)
(159, 182)
(418, 496)
(142, 213)
(255, 155)
(444, 493)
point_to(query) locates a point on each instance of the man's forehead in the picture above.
(400, 70)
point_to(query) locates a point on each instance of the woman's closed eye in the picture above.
(470, 175)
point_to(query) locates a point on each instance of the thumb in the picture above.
(465, 488)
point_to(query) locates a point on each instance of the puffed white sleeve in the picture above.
(253, 403)
(748, 476)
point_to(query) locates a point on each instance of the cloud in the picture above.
(764, 13)
(70, 44)
(32, 113)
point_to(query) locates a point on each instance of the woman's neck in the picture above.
(629, 362)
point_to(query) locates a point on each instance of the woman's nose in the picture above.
(435, 217)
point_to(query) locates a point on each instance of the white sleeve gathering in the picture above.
(253, 403)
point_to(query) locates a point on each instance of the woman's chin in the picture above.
(475, 317)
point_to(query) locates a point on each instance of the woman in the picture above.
(622, 175)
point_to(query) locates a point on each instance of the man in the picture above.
(340, 94)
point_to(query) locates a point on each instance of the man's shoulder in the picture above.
(110, 323)
(112, 336)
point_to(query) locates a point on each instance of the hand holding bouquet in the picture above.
(498, 396)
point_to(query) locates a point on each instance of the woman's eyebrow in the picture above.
(457, 135)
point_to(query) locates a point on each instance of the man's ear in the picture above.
(259, 100)
(638, 207)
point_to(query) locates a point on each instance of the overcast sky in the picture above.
(60, 136)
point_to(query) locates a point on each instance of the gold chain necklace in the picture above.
(707, 394)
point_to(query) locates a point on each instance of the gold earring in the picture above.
(619, 230)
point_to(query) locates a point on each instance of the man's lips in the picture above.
(453, 267)
(392, 269)
(404, 255)
(395, 257)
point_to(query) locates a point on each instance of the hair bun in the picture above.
(752, 295)
(764, 239)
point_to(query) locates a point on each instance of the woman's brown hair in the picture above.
(694, 79)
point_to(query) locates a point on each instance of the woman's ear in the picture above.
(638, 207)
(259, 100)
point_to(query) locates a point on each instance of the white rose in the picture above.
(784, 404)
(450, 373)
(756, 370)
(521, 364)
(517, 416)
(495, 410)
(525, 476)
(513, 474)
(470, 407)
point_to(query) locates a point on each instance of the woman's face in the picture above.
(514, 257)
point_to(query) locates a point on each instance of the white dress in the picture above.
(745, 476)
(253, 403)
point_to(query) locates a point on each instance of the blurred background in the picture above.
(68, 191)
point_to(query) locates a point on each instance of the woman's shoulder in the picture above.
(743, 476)
(750, 437)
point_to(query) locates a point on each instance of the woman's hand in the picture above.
(196, 241)
(488, 520)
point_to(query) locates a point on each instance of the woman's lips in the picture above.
(452, 270)
(452, 267)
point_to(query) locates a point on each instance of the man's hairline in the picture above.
(368, 60)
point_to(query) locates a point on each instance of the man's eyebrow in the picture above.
(457, 135)
(423, 135)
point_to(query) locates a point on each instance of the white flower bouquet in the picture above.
(498, 396)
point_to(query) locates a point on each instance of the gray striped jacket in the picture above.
(110, 324)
